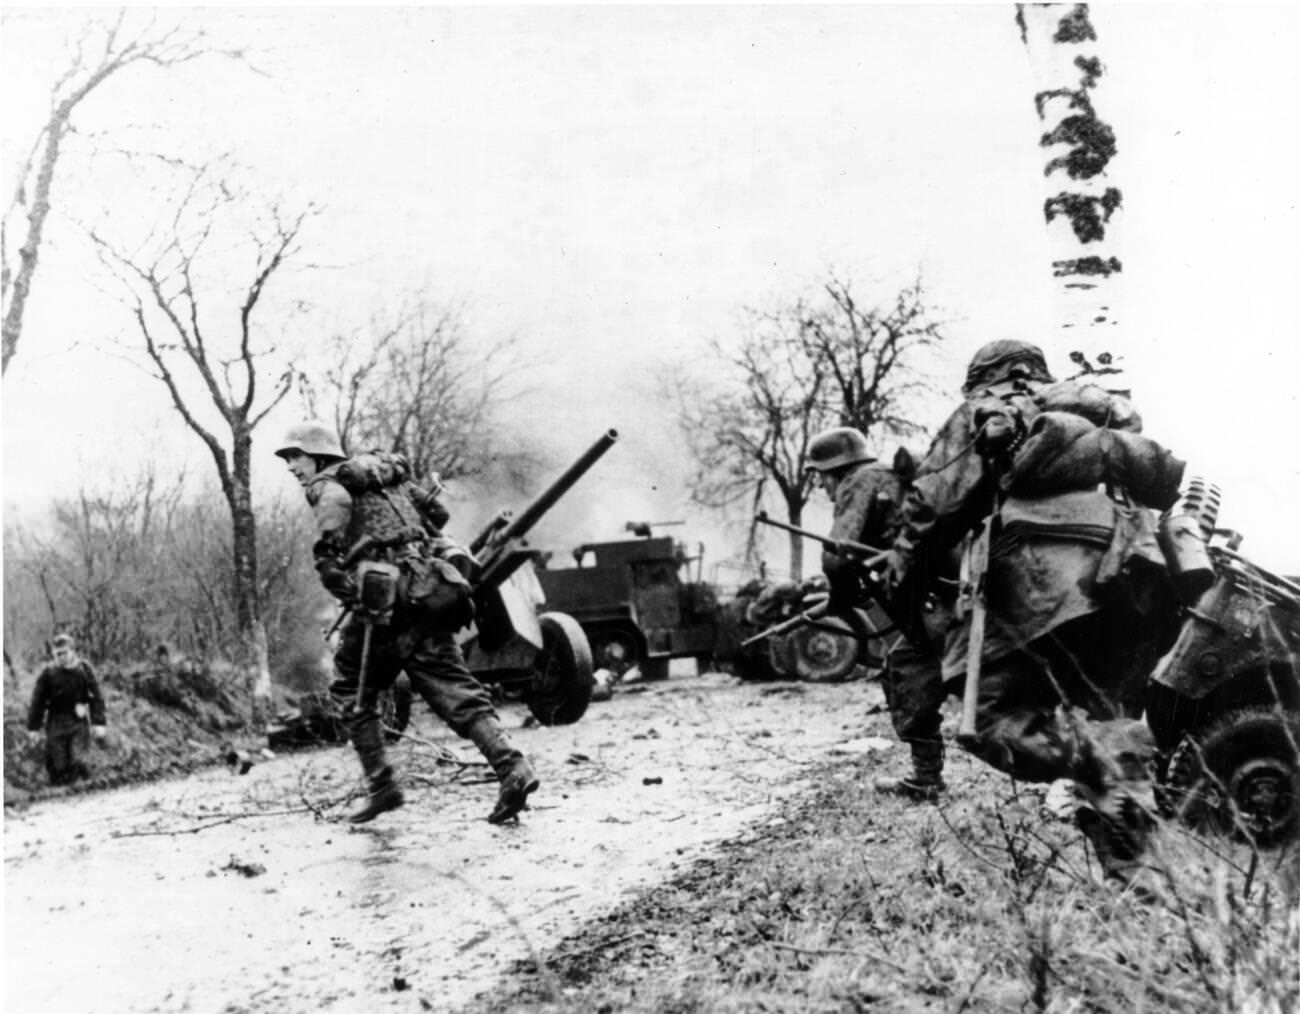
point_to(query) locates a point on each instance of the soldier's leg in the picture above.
(58, 757)
(1035, 720)
(465, 705)
(78, 744)
(1098, 662)
(1018, 723)
(363, 724)
(915, 692)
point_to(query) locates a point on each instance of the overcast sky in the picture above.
(612, 184)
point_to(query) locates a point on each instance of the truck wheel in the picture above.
(615, 649)
(824, 656)
(1240, 777)
(561, 684)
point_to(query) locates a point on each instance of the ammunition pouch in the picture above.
(436, 592)
(1132, 576)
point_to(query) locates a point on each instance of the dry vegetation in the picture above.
(158, 726)
(852, 901)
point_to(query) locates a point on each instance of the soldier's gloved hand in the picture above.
(100, 732)
(33, 736)
(338, 582)
(892, 571)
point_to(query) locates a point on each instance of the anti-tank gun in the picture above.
(514, 641)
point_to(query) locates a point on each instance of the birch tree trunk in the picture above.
(1080, 199)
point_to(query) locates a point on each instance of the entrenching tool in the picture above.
(977, 565)
(376, 597)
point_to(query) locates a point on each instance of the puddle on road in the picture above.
(420, 910)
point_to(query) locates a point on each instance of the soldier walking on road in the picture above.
(866, 498)
(1076, 604)
(65, 701)
(371, 501)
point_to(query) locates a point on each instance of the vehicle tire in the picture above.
(615, 648)
(1241, 777)
(823, 656)
(561, 682)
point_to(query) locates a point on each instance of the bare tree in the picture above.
(205, 345)
(101, 52)
(869, 354)
(420, 385)
(97, 565)
(818, 363)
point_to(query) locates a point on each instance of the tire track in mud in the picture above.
(421, 910)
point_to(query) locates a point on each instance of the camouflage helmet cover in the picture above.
(837, 448)
(312, 437)
(995, 363)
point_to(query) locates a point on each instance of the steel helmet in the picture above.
(837, 448)
(995, 362)
(312, 437)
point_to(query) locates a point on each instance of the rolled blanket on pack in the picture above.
(1064, 452)
(373, 470)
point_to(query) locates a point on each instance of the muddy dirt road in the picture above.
(226, 893)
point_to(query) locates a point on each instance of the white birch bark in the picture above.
(1081, 202)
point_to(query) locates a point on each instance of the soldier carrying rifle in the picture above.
(866, 497)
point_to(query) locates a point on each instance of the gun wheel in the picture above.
(1241, 777)
(561, 683)
(820, 655)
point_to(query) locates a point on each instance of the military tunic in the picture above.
(867, 503)
(1055, 640)
(430, 657)
(58, 693)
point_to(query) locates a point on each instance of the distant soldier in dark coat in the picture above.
(866, 498)
(66, 702)
(1077, 601)
(372, 496)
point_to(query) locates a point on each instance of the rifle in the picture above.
(808, 616)
(977, 570)
(846, 548)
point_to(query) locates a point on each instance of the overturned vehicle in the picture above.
(1224, 701)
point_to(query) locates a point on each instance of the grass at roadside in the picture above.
(853, 901)
(157, 728)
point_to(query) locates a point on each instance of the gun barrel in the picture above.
(841, 546)
(530, 515)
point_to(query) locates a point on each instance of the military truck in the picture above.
(637, 602)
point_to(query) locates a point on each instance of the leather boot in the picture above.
(1119, 829)
(518, 780)
(384, 793)
(925, 783)
(1111, 768)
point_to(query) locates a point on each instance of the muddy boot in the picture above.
(925, 783)
(518, 780)
(384, 793)
(1112, 781)
(1119, 829)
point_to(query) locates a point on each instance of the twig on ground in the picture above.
(602, 945)
(819, 951)
(229, 819)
